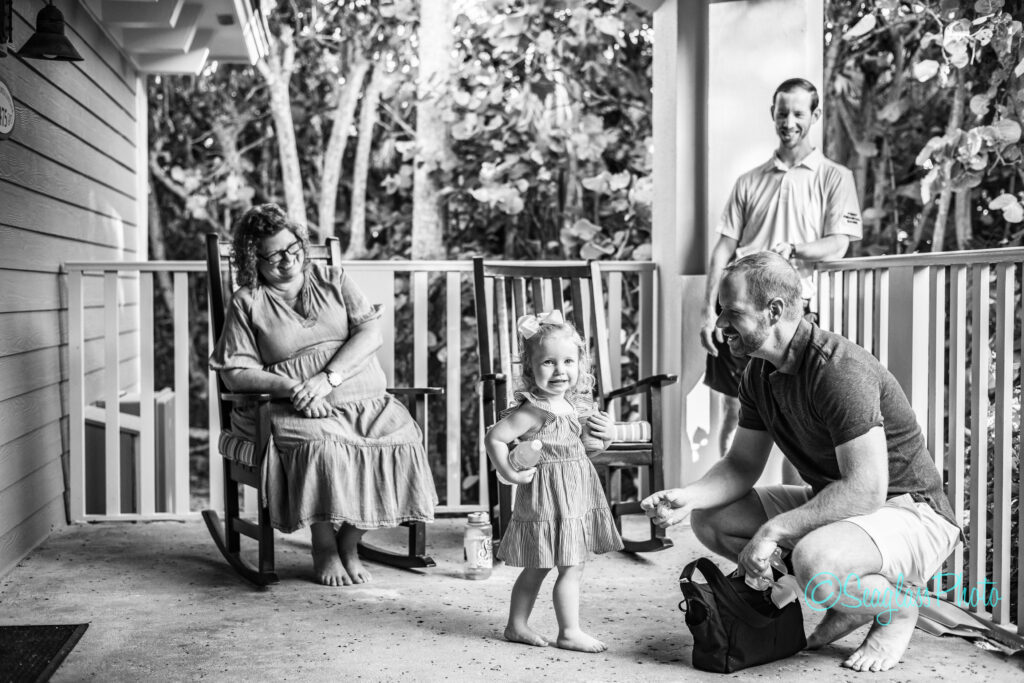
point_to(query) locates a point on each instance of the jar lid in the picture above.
(479, 518)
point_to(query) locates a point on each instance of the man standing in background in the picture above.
(798, 204)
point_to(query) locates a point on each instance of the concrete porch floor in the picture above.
(163, 606)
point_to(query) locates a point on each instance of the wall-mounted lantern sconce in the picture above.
(6, 19)
(49, 41)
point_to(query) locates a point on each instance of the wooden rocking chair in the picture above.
(243, 459)
(503, 293)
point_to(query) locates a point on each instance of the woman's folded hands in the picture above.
(309, 396)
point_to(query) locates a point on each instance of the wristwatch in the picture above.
(333, 378)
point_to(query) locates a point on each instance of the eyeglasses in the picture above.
(292, 250)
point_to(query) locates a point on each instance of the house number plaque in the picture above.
(6, 111)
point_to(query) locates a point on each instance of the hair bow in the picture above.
(529, 324)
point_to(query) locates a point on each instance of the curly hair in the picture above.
(259, 222)
(529, 347)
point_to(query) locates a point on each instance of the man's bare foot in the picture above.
(884, 645)
(327, 566)
(580, 641)
(525, 634)
(348, 550)
(833, 626)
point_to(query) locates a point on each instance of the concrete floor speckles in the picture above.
(163, 606)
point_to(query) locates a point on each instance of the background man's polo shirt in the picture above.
(774, 203)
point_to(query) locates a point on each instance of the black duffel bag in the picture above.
(735, 626)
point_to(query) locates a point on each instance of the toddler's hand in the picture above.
(602, 426)
(522, 476)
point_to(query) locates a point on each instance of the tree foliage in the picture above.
(924, 102)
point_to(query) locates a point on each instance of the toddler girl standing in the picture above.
(561, 514)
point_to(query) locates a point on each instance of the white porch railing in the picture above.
(944, 324)
(112, 341)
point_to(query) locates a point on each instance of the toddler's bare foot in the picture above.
(580, 641)
(348, 551)
(524, 634)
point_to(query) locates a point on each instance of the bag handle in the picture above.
(724, 592)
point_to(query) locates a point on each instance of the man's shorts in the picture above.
(911, 537)
(722, 373)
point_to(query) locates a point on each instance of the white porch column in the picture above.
(716, 65)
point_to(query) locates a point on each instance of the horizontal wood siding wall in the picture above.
(68, 191)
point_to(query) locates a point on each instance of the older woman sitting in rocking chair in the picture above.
(345, 456)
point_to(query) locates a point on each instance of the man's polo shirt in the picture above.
(774, 203)
(827, 392)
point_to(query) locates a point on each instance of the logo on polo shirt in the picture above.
(852, 218)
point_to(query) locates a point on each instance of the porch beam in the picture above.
(678, 237)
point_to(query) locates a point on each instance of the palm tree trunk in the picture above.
(433, 142)
(956, 115)
(342, 116)
(277, 70)
(361, 171)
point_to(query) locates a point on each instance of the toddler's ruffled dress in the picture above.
(562, 516)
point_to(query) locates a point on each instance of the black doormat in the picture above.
(33, 653)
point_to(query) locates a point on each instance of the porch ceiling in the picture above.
(182, 36)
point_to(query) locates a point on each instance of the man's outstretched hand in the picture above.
(668, 507)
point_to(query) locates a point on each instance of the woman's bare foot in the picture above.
(347, 549)
(327, 566)
(580, 641)
(524, 634)
(833, 626)
(884, 646)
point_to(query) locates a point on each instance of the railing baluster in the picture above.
(615, 332)
(147, 424)
(453, 391)
(838, 303)
(864, 310)
(647, 299)
(882, 316)
(979, 431)
(824, 304)
(956, 486)
(182, 483)
(850, 309)
(936, 351)
(111, 389)
(936, 356)
(76, 395)
(419, 288)
(1003, 456)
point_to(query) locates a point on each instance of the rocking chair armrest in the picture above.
(416, 391)
(642, 386)
(237, 397)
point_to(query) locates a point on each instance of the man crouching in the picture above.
(874, 520)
